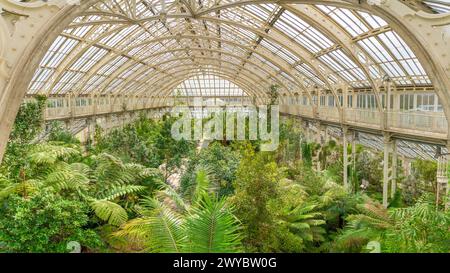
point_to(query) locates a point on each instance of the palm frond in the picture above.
(169, 194)
(160, 230)
(212, 228)
(201, 186)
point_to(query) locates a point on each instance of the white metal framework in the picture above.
(207, 85)
(150, 46)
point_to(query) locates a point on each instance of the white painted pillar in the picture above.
(318, 139)
(354, 159)
(67, 123)
(300, 138)
(71, 105)
(406, 166)
(307, 133)
(442, 187)
(387, 87)
(344, 103)
(90, 129)
(394, 168)
(354, 150)
(345, 156)
(386, 170)
(94, 106)
(318, 135)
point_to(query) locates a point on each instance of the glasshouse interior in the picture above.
(356, 92)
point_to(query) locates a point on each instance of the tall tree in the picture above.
(255, 186)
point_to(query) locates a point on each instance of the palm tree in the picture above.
(171, 224)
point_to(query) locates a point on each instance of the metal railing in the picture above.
(329, 113)
(431, 122)
(54, 113)
(408, 121)
(414, 122)
(356, 116)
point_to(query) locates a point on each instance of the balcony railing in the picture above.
(414, 122)
(301, 110)
(432, 122)
(370, 117)
(329, 113)
(53, 113)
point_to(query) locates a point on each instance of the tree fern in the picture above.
(66, 179)
(49, 153)
(24, 188)
(419, 228)
(81, 168)
(110, 212)
(112, 171)
(120, 191)
(304, 221)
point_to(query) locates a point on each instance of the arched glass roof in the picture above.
(208, 85)
(150, 47)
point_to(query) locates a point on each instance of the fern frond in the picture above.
(27, 187)
(109, 212)
(49, 154)
(120, 191)
(42, 158)
(66, 179)
(140, 171)
(81, 168)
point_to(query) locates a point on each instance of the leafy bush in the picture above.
(222, 161)
(45, 223)
(59, 134)
(28, 124)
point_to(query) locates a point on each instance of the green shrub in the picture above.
(45, 223)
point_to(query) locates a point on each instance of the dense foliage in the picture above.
(46, 222)
(220, 160)
(137, 189)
